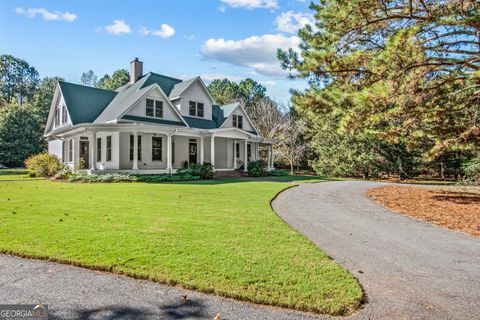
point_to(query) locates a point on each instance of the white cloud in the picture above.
(117, 27)
(46, 15)
(268, 83)
(221, 9)
(252, 4)
(291, 21)
(257, 52)
(165, 31)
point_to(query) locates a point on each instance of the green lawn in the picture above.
(213, 236)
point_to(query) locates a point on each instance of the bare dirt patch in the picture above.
(452, 207)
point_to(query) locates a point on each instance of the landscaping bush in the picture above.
(110, 177)
(471, 172)
(257, 169)
(166, 178)
(116, 177)
(278, 172)
(204, 171)
(43, 165)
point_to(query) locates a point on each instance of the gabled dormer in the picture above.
(235, 116)
(192, 99)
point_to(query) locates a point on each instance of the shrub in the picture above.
(471, 172)
(204, 171)
(166, 178)
(81, 165)
(43, 165)
(257, 169)
(63, 174)
(278, 172)
(108, 178)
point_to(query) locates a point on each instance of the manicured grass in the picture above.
(214, 236)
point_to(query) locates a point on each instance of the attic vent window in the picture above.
(238, 121)
(154, 108)
(196, 109)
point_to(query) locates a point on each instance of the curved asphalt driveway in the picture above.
(409, 269)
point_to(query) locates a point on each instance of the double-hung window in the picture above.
(64, 115)
(70, 150)
(99, 149)
(196, 109)
(57, 116)
(238, 121)
(154, 108)
(156, 148)
(64, 151)
(139, 154)
(109, 149)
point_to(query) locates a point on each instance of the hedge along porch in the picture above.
(146, 149)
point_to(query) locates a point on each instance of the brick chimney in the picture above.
(136, 70)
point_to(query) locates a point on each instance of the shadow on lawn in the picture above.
(180, 310)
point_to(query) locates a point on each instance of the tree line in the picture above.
(394, 87)
(25, 101)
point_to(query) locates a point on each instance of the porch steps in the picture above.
(228, 174)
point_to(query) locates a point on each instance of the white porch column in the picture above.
(257, 151)
(93, 151)
(234, 154)
(212, 150)
(135, 151)
(202, 159)
(245, 155)
(169, 152)
(269, 159)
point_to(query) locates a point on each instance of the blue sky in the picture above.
(211, 38)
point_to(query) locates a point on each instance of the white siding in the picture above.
(246, 124)
(195, 93)
(55, 148)
(139, 109)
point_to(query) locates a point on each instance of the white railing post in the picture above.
(245, 156)
(93, 151)
(212, 150)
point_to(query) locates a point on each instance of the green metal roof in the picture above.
(200, 123)
(166, 83)
(153, 120)
(84, 103)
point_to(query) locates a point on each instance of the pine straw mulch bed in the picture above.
(455, 208)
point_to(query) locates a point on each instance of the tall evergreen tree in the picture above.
(18, 80)
(403, 71)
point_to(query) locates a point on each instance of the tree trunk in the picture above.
(291, 168)
(442, 170)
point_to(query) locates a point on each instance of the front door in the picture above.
(84, 154)
(192, 152)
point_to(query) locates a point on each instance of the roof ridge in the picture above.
(84, 86)
(162, 75)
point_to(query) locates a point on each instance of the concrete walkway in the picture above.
(409, 269)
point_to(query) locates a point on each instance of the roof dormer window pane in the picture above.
(64, 115)
(192, 110)
(150, 106)
(154, 108)
(196, 109)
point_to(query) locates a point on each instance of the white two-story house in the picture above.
(153, 124)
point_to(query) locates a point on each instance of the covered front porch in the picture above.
(143, 149)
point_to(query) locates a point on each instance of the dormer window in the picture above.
(238, 121)
(154, 108)
(57, 116)
(196, 109)
(64, 115)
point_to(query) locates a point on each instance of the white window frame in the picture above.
(161, 149)
(196, 109)
(155, 108)
(235, 121)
